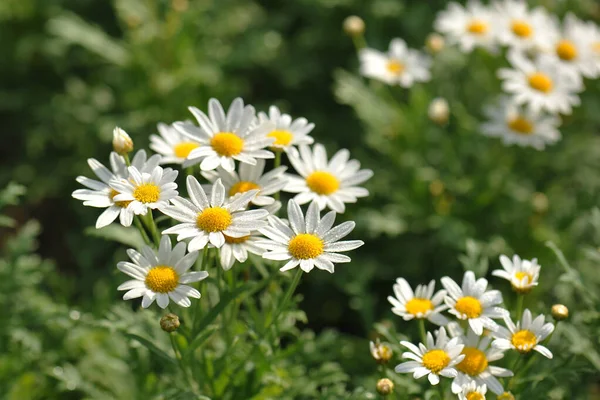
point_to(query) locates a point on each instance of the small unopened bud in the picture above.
(540, 202)
(506, 396)
(385, 386)
(381, 353)
(169, 322)
(435, 43)
(354, 26)
(122, 143)
(560, 312)
(439, 111)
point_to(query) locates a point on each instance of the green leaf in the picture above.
(126, 235)
(7, 222)
(199, 341)
(152, 347)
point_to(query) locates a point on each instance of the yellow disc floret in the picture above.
(417, 306)
(524, 340)
(146, 193)
(528, 277)
(475, 396)
(122, 204)
(541, 82)
(395, 67)
(183, 149)
(469, 306)
(566, 50)
(322, 182)
(234, 240)
(477, 27)
(474, 363)
(213, 219)
(242, 186)
(282, 137)
(436, 360)
(227, 144)
(305, 246)
(521, 28)
(520, 125)
(162, 279)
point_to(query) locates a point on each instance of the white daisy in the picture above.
(523, 127)
(329, 184)
(172, 145)
(101, 195)
(287, 132)
(400, 66)
(471, 391)
(525, 335)
(540, 84)
(592, 40)
(161, 276)
(475, 366)
(522, 274)
(421, 303)
(225, 138)
(468, 27)
(433, 358)
(237, 248)
(310, 242)
(473, 303)
(251, 177)
(212, 220)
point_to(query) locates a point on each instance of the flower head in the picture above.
(288, 133)
(421, 303)
(469, 27)
(522, 274)
(380, 352)
(172, 145)
(470, 391)
(525, 336)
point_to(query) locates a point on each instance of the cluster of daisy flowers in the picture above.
(474, 330)
(548, 62)
(231, 202)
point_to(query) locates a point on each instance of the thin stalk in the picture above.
(422, 331)
(151, 225)
(190, 381)
(138, 224)
(198, 310)
(520, 300)
(288, 296)
(126, 157)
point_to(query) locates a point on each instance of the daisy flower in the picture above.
(592, 41)
(525, 335)
(251, 177)
(540, 84)
(212, 220)
(172, 145)
(237, 248)
(380, 352)
(523, 127)
(100, 194)
(400, 66)
(473, 303)
(432, 358)
(421, 303)
(471, 391)
(468, 27)
(287, 132)
(224, 138)
(161, 276)
(522, 274)
(310, 242)
(328, 183)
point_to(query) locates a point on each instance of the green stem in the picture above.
(422, 331)
(138, 224)
(126, 157)
(288, 295)
(520, 300)
(514, 369)
(189, 171)
(198, 310)
(179, 358)
(151, 225)
(359, 42)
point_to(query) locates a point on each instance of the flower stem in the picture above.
(126, 157)
(422, 330)
(151, 225)
(288, 295)
(520, 300)
(198, 310)
(138, 224)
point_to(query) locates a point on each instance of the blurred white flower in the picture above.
(287, 133)
(522, 274)
(525, 335)
(172, 145)
(122, 143)
(468, 27)
(439, 111)
(421, 303)
(471, 391)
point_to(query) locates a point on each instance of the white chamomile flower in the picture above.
(468, 27)
(213, 220)
(522, 274)
(310, 242)
(145, 190)
(161, 276)
(237, 248)
(421, 303)
(227, 137)
(540, 84)
(101, 195)
(521, 126)
(172, 145)
(251, 177)
(471, 391)
(287, 133)
(329, 184)
(592, 41)
(525, 335)
(476, 367)
(400, 66)
(473, 303)
(433, 358)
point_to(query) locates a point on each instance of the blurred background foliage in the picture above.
(443, 198)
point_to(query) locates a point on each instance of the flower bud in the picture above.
(506, 396)
(560, 312)
(354, 26)
(435, 43)
(381, 353)
(169, 322)
(385, 386)
(122, 143)
(439, 111)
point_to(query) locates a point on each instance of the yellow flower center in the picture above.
(520, 275)
(469, 306)
(474, 363)
(520, 125)
(475, 396)
(122, 204)
(232, 240)
(540, 82)
(242, 186)
(521, 28)
(282, 138)
(305, 246)
(524, 340)
(596, 47)
(183, 149)
(213, 219)
(227, 144)
(162, 279)
(322, 182)
(395, 67)
(506, 396)
(416, 306)
(147, 193)
(436, 360)
(566, 50)
(477, 27)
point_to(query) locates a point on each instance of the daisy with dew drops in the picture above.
(161, 276)
(525, 336)
(522, 274)
(422, 303)
(308, 242)
(327, 183)
(470, 391)
(469, 27)
(434, 358)
(212, 220)
(172, 145)
(288, 133)
(225, 138)
(471, 302)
